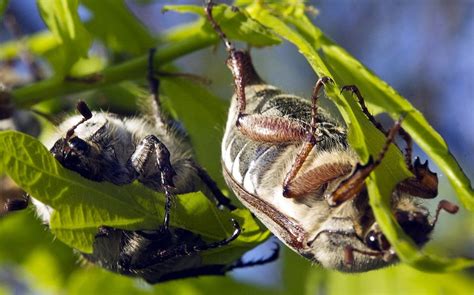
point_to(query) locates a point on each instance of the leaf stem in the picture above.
(129, 70)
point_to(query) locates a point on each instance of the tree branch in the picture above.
(129, 70)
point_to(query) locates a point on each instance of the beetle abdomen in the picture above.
(249, 162)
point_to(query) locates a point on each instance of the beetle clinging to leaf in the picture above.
(155, 151)
(291, 164)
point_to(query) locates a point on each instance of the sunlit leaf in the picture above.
(23, 234)
(62, 19)
(44, 271)
(237, 24)
(380, 96)
(398, 280)
(298, 282)
(130, 70)
(87, 66)
(194, 104)
(120, 30)
(28, 246)
(364, 137)
(94, 281)
(119, 98)
(38, 43)
(25, 241)
(81, 206)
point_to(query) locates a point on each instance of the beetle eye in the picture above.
(371, 241)
(78, 145)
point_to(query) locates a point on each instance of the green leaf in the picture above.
(187, 31)
(364, 137)
(62, 19)
(132, 69)
(112, 22)
(47, 279)
(81, 205)
(121, 98)
(398, 280)
(236, 24)
(87, 66)
(297, 282)
(26, 235)
(203, 115)
(28, 247)
(38, 43)
(120, 30)
(98, 281)
(380, 96)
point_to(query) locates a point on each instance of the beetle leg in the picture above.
(239, 62)
(406, 137)
(154, 84)
(256, 127)
(271, 129)
(186, 250)
(149, 145)
(353, 185)
(224, 242)
(423, 185)
(310, 141)
(408, 148)
(313, 180)
(354, 90)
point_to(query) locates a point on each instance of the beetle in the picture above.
(155, 151)
(289, 161)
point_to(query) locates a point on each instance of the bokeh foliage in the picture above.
(65, 47)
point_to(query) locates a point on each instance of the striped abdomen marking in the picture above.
(249, 159)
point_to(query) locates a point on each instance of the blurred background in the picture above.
(421, 48)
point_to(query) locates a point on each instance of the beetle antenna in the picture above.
(86, 113)
(447, 206)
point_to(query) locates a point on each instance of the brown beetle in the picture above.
(290, 163)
